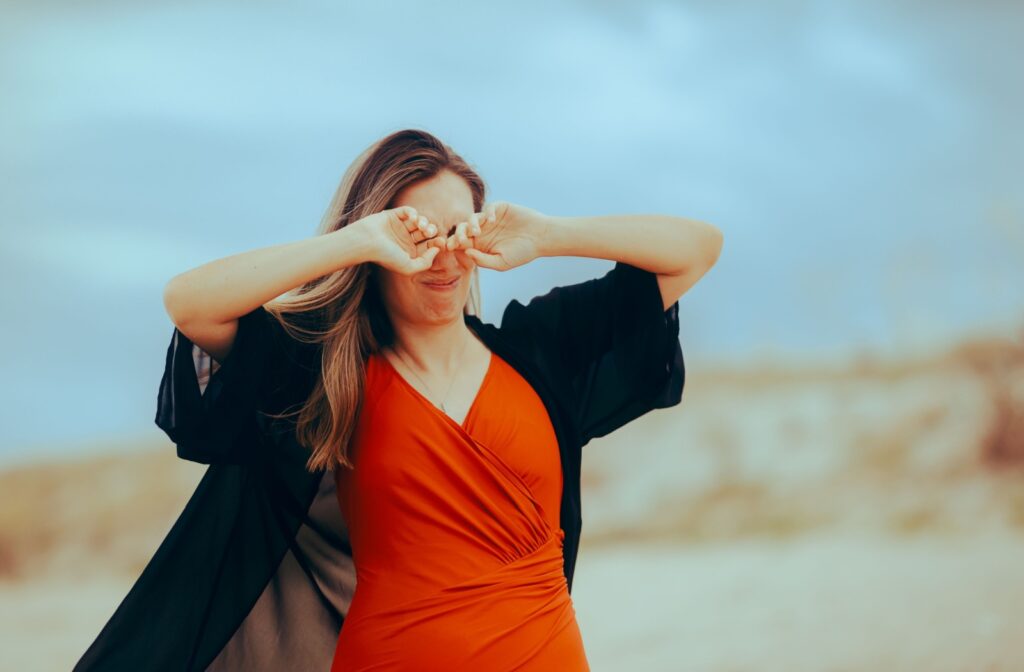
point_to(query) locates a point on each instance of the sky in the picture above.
(864, 161)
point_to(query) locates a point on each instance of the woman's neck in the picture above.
(438, 348)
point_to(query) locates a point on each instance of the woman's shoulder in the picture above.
(291, 351)
(296, 335)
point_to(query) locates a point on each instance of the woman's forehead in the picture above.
(445, 199)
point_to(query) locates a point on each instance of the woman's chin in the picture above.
(442, 306)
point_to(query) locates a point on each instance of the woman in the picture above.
(364, 426)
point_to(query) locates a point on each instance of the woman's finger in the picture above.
(439, 242)
(423, 229)
(459, 239)
(416, 225)
(427, 249)
(425, 260)
(483, 219)
(486, 215)
(408, 215)
(453, 239)
(484, 259)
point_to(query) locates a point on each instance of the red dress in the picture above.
(455, 532)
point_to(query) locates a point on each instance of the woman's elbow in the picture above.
(177, 301)
(712, 248)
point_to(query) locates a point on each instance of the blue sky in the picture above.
(864, 161)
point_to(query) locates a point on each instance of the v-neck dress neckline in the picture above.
(419, 395)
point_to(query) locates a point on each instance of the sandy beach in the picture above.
(868, 519)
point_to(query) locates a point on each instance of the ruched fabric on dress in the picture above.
(455, 533)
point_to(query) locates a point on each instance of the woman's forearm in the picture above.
(225, 289)
(658, 243)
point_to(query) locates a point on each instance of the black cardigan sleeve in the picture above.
(611, 339)
(221, 424)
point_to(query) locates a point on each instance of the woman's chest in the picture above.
(404, 443)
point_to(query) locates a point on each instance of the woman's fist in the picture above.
(401, 239)
(502, 236)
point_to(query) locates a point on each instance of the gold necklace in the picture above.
(445, 398)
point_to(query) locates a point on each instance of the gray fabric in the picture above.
(285, 630)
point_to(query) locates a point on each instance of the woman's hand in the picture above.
(401, 239)
(502, 236)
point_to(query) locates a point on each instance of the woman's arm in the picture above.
(677, 249)
(206, 302)
(611, 342)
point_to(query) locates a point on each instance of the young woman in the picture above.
(393, 482)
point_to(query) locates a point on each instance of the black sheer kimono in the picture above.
(256, 573)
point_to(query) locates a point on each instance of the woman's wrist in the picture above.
(557, 236)
(348, 246)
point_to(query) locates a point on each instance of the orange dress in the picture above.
(455, 532)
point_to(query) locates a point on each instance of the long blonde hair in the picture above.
(347, 314)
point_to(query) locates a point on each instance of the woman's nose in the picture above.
(445, 257)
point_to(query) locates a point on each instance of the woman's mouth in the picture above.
(442, 286)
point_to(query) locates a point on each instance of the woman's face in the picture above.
(445, 200)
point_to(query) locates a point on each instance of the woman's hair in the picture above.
(343, 311)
